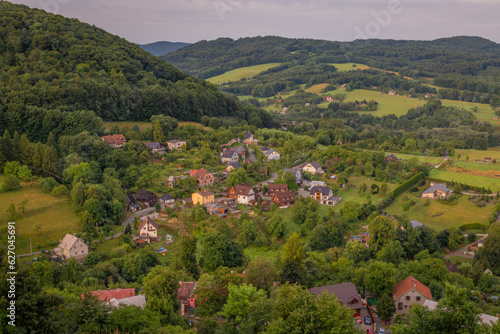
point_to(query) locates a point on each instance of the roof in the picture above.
(139, 300)
(185, 290)
(438, 186)
(415, 223)
(205, 193)
(453, 268)
(345, 292)
(200, 173)
(114, 139)
(269, 151)
(238, 149)
(68, 241)
(167, 197)
(175, 141)
(135, 205)
(143, 194)
(247, 135)
(277, 188)
(228, 154)
(391, 156)
(325, 191)
(154, 145)
(291, 170)
(409, 283)
(243, 189)
(148, 220)
(315, 164)
(284, 196)
(235, 165)
(116, 294)
(130, 198)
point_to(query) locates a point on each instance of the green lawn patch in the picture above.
(240, 73)
(472, 180)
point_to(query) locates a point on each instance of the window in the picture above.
(418, 298)
(400, 305)
(407, 298)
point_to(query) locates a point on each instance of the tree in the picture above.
(11, 182)
(293, 261)
(25, 150)
(160, 286)
(11, 210)
(379, 278)
(381, 232)
(374, 189)
(49, 161)
(276, 226)
(38, 158)
(237, 176)
(239, 300)
(22, 206)
(490, 252)
(187, 254)
(219, 250)
(392, 252)
(383, 189)
(261, 273)
(362, 189)
(158, 132)
(386, 308)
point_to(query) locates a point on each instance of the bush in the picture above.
(11, 182)
(406, 185)
(48, 184)
(427, 202)
(472, 226)
(60, 190)
(472, 236)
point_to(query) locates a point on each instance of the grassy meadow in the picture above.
(53, 213)
(240, 73)
(143, 125)
(349, 66)
(472, 180)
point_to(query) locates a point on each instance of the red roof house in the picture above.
(408, 292)
(107, 295)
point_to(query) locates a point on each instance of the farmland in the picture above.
(241, 73)
(472, 180)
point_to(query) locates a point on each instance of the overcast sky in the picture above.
(146, 21)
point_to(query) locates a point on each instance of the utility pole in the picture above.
(31, 248)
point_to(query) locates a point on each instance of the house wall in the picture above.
(309, 169)
(243, 199)
(148, 231)
(273, 156)
(406, 304)
(78, 251)
(429, 195)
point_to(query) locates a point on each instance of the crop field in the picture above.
(316, 89)
(53, 213)
(453, 215)
(472, 180)
(240, 73)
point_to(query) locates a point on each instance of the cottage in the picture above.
(248, 138)
(134, 207)
(391, 158)
(167, 199)
(204, 177)
(217, 209)
(176, 145)
(115, 141)
(408, 292)
(314, 168)
(71, 246)
(146, 197)
(324, 195)
(186, 297)
(129, 200)
(270, 153)
(232, 166)
(437, 190)
(155, 147)
(392, 92)
(295, 171)
(329, 99)
(243, 193)
(228, 156)
(274, 188)
(203, 197)
(148, 229)
(346, 293)
(284, 198)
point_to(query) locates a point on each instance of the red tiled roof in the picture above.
(184, 292)
(110, 294)
(407, 284)
(114, 139)
(200, 173)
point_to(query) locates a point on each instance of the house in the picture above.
(176, 144)
(487, 159)
(437, 190)
(408, 292)
(217, 209)
(186, 297)
(324, 195)
(146, 197)
(130, 200)
(155, 147)
(139, 300)
(173, 180)
(204, 177)
(241, 151)
(346, 293)
(483, 318)
(328, 99)
(134, 207)
(480, 243)
(108, 295)
(231, 142)
(232, 166)
(71, 246)
(392, 92)
(203, 197)
(295, 171)
(270, 153)
(115, 141)
(416, 224)
(243, 193)
(314, 168)
(167, 199)
(391, 158)
(274, 188)
(228, 156)
(249, 139)
(148, 229)
(452, 268)
(284, 198)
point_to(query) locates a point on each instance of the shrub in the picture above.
(48, 184)
(407, 184)
(11, 182)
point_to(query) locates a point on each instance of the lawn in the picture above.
(421, 158)
(477, 166)
(255, 253)
(484, 111)
(240, 73)
(492, 152)
(454, 215)
(53, 213)
(351, 194)
(350, 66)
(317, 89)
(472, 180)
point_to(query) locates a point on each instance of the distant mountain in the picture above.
(162, 48)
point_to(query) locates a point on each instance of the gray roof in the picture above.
(325, 191)
(154, 145)
(437, 186)
(345, 292)
(139, 300)
(235, 165)
(291, 170)
(415, 223)
(228, 154)
(315, 164)
(167, 197)
(247, 135)
(238, 149)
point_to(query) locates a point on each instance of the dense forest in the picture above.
(52, 67)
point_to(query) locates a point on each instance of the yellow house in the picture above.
(203, 197)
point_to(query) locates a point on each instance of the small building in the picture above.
(108, 295)
(270, 153)
(139, 300)
(176, 145)
(228, 156)
(329, 99)
(203, 197)
(115, 141)
(232, 166)
(71, 246)
(248, 138)
(314, 168)
(186, 297)
(324, 195)
(317, 184)
(275, 188)
(148, 229)
(217, 209)
(129, 200)
(346, 293)
(408, 292)
(243, 193)
(146, 197)
(167, 199)
(134, 207)
(155, 147)
(295, 171)
(391, 158)
(284, 198)
(416, 224)
(392, 92)
(203, 176)
(437, 190)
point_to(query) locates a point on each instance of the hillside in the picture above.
(52, 66)
(161, 48)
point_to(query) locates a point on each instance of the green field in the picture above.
(472, 180)
(351, 194)
(484, 111)
(477, 166)
(53, 213)
(492, 152)
(349, 66)
(421, 158)
(240, 73)
(454, 215)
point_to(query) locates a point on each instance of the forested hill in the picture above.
(457, 55)
(51, 67)
(161, 48)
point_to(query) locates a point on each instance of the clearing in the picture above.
(465, 178)
(241, 73)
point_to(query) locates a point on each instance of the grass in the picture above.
(492, 152)
(477, 166)
(421, 158)
(454, 215)
(484, 111)
(351, 194)
(53, 213)
(458, 259)
(240, 73)
(317, 89)
(472, 180)
(350, 66)
(142, 125)
(255, 253)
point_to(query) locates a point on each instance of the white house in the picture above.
(313, 167)
(229, 156)
(71, 246)
(295, 171)
(243, 193)
(270, 153)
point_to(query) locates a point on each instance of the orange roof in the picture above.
(409, 283)
(200, 173)
(110, 294)
(114, 139)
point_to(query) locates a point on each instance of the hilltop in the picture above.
(162, 48)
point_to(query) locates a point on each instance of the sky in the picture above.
(147, 21)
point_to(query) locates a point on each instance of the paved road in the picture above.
(461, 251)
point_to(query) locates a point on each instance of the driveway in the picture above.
(461, 251)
